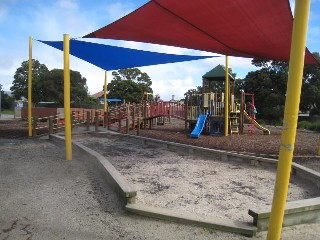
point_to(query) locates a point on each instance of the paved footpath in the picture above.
(6, 117)
(43, 196)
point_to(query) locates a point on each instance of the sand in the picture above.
(190, 183)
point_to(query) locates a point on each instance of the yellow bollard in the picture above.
(105, 92)
(226, 100)
(30, 88)
(67, 114)
(294, 84)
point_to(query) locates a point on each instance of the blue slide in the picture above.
(199, 126)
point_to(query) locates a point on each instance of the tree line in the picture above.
(268, 84)
(47, 85)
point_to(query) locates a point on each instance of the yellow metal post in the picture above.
(298, 44)
(30, 88)
(105, 92)
(226, 100)
(67, 112)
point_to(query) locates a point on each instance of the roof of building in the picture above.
(217, 74)
(98, 94)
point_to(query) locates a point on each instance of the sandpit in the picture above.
(191, 183)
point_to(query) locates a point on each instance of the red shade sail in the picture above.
(244, 28)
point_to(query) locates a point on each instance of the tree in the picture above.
(192, 95)
(215, 86)
(129, 84)
(310, 95)
(269, 85)
(6, 100)
(269, 88)
(54, 87)
(157, 98)
(20, 83)
(47, 86)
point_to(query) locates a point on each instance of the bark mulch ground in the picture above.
(252, 143)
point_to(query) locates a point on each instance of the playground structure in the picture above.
(203, 112)
(248, 112)
(206, 111)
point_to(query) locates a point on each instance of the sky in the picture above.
(50, 19)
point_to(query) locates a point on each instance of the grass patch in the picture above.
(313, 126)
(7, 111)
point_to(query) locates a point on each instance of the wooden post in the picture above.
(72, 119)
(127, 125)
(133, 115)
(55, 123)
(88, 121)
(127, 120)
(119, 120)
(96, 121)
(108, 120)
(105, 117)
(145, 115)
(50, 125)
(138, 126)
(34, 126)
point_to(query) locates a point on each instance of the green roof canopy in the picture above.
(217, 74)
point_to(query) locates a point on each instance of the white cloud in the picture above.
(117, 10)
(67, 4)
(3, 12)
(168, 87)
(314, 31)
(50, 22)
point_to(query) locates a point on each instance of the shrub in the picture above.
(314, 126)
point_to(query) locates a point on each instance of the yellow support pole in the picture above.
(298, 44)
(30, 89)
(67, 112)
(226, 100)
(105, 92)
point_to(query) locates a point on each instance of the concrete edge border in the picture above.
(296, 212)
(112, 175)
(195, 219)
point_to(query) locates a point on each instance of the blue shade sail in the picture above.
(114, 58)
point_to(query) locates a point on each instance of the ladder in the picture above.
(234, 124)
(251, 124)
